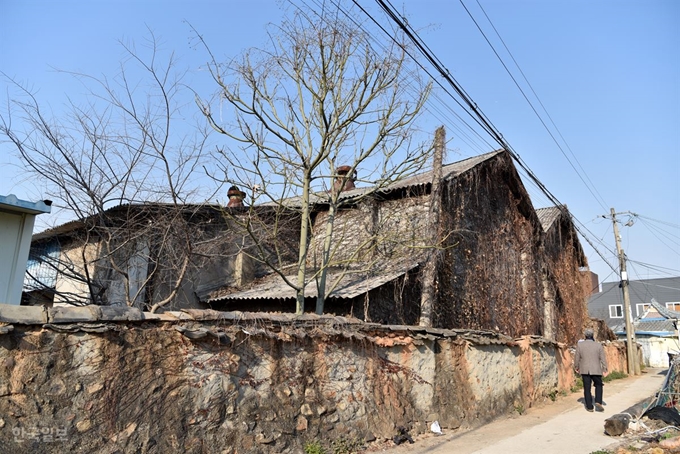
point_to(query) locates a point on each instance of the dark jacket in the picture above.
(590, 358)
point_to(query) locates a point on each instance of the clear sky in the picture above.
(607, 72)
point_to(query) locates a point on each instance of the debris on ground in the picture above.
(669, 415)
(649, 436)
(402, 436)
(435, 428)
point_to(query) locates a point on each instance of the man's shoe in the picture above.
(599, 407)
(589, 409)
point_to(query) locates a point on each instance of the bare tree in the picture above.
(310, 111)
(124, 165)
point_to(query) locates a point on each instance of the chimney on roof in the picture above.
(343, 182)
(244, 269)
(236, 197)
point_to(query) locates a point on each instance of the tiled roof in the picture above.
(71, 226)
(548, 216)
(666, 313)
(657, 320)
(663, 290)
(448, 171)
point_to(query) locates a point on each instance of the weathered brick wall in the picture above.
(119, 380)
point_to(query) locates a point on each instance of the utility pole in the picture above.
(633, 364)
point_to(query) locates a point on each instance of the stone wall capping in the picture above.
(179, 315)
(65, 314)
(204, 314)
(329, 325)
(40, 315)
(151, 317)
(405, 328)
(117, 313)
(23, 315)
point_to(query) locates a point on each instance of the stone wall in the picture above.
(103, 379)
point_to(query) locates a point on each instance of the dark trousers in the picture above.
(587, 380)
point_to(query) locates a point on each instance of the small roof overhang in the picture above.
(14, 205)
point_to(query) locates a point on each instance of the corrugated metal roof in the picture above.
(351, 285)
(12, 204)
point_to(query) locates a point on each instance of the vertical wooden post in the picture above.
(429, 276)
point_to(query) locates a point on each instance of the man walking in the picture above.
(591, 362)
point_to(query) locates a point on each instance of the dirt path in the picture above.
(561, 427)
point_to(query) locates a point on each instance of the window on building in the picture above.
(673, 306)
(641, 308)
(615, 311)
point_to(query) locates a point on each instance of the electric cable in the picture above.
(472, 110)
(589, 184)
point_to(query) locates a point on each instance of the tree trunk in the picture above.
(618, 424)
(304, 244)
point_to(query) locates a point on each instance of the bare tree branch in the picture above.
(318, 97)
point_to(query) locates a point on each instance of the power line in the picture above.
(474, 111)
(658, 221)
(676, 250)
(469, 140)
(589, 184)
(465, 102)
(659, 269)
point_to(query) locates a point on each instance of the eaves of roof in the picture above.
(655, 333)
(12, 204)
(72, 226)
(661, 328)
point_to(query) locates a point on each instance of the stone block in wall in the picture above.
(117, 313)
(25, 315)
(62, 314)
